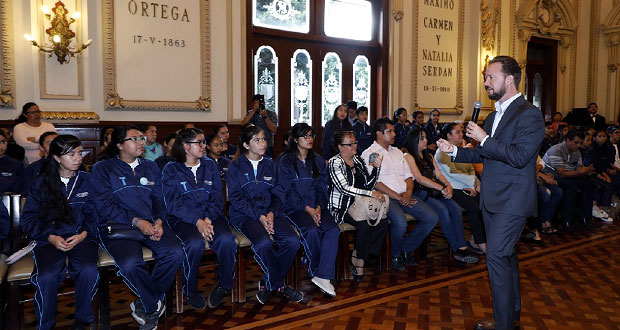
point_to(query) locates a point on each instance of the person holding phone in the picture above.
(264, 118)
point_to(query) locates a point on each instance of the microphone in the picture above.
(474, 116)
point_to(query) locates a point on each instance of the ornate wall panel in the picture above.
(7, 73)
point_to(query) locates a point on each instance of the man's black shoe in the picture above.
(409, 259)
(398, 264)
(466, 256)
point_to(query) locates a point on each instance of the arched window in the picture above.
(266, 76)
(361, 81)
(331, 85)
(301, 87)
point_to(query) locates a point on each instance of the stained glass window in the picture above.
(361, 81)
(266, 76)
(351, 19)
(331, 85)
(301, 88)
(288, 15)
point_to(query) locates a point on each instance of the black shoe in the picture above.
(585, 221)
(150, 321)
(398, 264)
(408, 259)
(291, 294)
(263, 295)
(79, 325)
(216, 296)
(356, 276)
(197, 301)
(474, 249)
(466, 256)
(137, 311)
(568, 227)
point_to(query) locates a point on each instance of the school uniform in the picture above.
(189, 197)
(121, 193)
(299, 189)
(50, 265)
(30, 174)
(251, 195)
(11, 175)
(222, 165)
(363, 136)
(401, 130)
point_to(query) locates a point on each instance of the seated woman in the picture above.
(339, 123)
(465, 185)
(215, 147)
(602, 155)
(348, 178)
(12, 171)
(549, 196)
(401, 127)
(59, 218)
(302, 185)
(192, 192)
(122, 189)
(436, 191)
(228, 150)
(255, 211)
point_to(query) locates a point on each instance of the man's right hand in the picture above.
(585, 170)
(445, 146)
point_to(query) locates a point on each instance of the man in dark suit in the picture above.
(508, 148)
(594, 119)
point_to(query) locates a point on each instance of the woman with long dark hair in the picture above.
(28, 129)
(228, 150)
(339, 123)
(58, 216)
(256, 212)
(302, 186)
(401, 127)
(192, 191)
(122, 188)
(436, 191)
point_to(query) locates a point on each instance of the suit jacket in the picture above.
(508, 183)
(600, 124)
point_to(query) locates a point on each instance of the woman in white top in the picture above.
(30, 127)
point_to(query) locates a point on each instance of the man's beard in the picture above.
(496, 95)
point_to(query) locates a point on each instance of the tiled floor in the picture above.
(570, 283)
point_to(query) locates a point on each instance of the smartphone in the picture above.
(371, 158)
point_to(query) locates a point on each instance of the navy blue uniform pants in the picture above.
(274, 263)
(223, 245)
(127, 254)
(51, 269)
(320, 242)
(503, 232)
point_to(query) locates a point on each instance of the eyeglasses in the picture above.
(140, 138)
(33, 112)
(348, 144)
(202, 142)
(309, 136)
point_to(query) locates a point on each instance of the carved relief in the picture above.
(548, 16)
(7, 83)
(490, 18)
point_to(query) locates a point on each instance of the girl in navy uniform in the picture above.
(255, 213)
(192, 191)
(215, 147)
(302, 185)
(58, 216)
(123, 194)
(401, 127)
(11, 170)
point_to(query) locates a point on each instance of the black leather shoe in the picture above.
(398, 264)
(585, 221)
(568, 227)
(490, 325)
(409, 259)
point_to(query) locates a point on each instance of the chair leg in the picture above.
(178, 285)
(95, 307)
(346, 256)
(241, 264)
(104, 300)
(15, 307)
(384, 262)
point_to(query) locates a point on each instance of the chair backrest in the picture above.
(18, 238)
(5, 245)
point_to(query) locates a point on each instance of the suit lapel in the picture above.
(509, 114)
(488, 122)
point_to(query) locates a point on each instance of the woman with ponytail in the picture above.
(58, 216)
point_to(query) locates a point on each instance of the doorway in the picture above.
(541, 74)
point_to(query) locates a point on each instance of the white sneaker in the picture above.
(598, 213)
(608, 220)
(324, 285)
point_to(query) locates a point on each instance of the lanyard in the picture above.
(72, 187)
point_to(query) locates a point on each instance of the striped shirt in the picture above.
(342, 182)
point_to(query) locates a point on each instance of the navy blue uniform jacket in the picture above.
(508, 184)
(120, 193)
(30, 174)
(401, 131)
(11, 175)
(188, 198)
(363, 136)
(299, 191)
(251, 196)
(80, 201)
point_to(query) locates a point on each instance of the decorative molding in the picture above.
(458, 109)
(7, 73)
(548, 16)
(490, 18)
(43, 94)
(611, 30)
(595, 9)
(69, 115)
(114, 101)
(397, 10)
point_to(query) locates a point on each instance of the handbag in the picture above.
(368, 209)
(115, 231)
